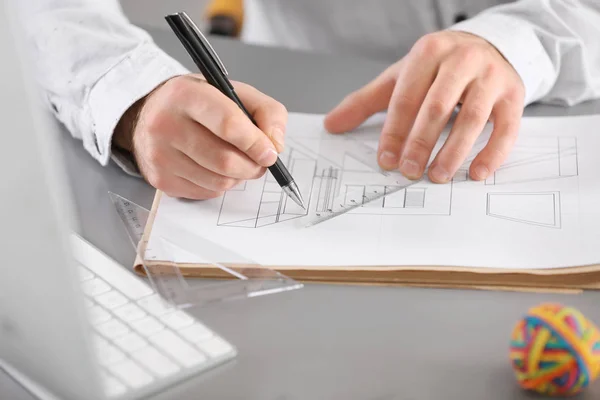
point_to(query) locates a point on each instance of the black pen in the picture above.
(215, 73)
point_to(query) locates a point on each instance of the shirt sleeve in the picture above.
(552, 44)
(92, 64)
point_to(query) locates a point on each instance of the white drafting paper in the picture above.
(541, 209)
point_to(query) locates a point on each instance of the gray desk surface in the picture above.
(328, 342)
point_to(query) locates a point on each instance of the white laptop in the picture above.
(72, 321)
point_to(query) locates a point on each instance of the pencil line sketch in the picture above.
(327, 169)
(537, 159)
(421, 199)
(324, 170)
(535, 208)
(261, 202)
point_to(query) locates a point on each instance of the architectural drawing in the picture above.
(542, 208)
(325, 169)
(261, 202)
(538, 158)
(332, 168)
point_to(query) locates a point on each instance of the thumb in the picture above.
(361, 104)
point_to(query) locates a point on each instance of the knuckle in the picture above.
(223, 183)
(228, 164)
(515, 96)
(391, 140)
(497, 154)
(429, 45)
(420, 145)
(457, 151)
(438, 109)
(406, 102)
(470, 54)
(475, 114)
(490, 71)
(176, 88)
(231, 126)
(157, 124)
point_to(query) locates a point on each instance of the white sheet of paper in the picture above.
(541, 209)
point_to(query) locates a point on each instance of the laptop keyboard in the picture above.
(140, 341)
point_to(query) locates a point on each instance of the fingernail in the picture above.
(410, 169)
(439, 174)
(481, 171)
(388, 159)
(278, 137)
(268, 158)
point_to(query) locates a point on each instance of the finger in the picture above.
(471, 120)
(270, 115)
(438, 106)
(507, 118)
(220, 115)
(361, 104)
(412, 86)
(182, 188)
(184, 167)
(213, 153)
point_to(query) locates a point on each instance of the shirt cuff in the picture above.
(517, 41)
(132, 78)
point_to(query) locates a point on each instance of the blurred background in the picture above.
(151, 12)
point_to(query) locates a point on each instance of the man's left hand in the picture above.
(420, 93)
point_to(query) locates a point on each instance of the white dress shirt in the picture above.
(92, 64)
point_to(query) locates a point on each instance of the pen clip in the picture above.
(204, 41)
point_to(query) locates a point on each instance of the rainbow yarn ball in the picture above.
(555, 350)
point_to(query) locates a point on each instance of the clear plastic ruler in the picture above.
(393, 181)
(184, 286)
(340, 205)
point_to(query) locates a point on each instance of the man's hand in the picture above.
(191, 141)
(420, 93)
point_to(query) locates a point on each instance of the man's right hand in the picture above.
(191, 141)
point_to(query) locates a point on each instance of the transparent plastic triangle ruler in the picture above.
(185, 285)
(390, 181)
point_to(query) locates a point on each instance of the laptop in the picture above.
(73, 323)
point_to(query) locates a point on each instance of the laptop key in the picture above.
(122, 280)
(158, 364)
(154, 305)
(173, 345)
(111, 300)
(131, 342)
(215, 347)
(98, 315)
(177, 320)
(112, 329)
(85, 274)
(131, 374)
(112, 387)
(147, 326)
(129, 312)
(196, 333)
(94, 287)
